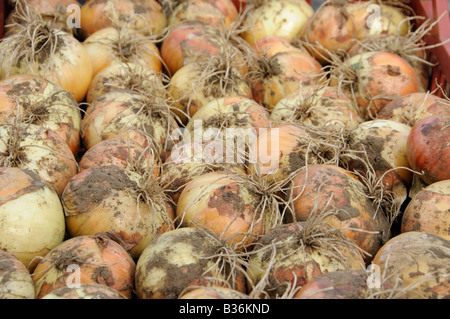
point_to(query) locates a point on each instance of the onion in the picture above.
(317, 105)
(427, 148)
(130, 115)
(15, 280)
(222, 202)
(334, 191)
(411, 108)
(33, 99)
(384, 141)
(40, 150)
(418, 262)
(31, 213)
(186, 257)
(373, 79)
(382, 163)
(375, 18)
(187, 42)
(131, 207)
(410, 46)
(283, 149)
(330, 29)
(231, 119)
(41, 49)
(277, 73)
(85, 291)
(285, 18)
(126, 76)
(195, 41)
(145, 16)
(197, 84)
(121, 45)
(214, 292)
(123, 153)
(339, 284)
(428, 210)
(85, 259)
(217, 13)
(290, 255)
(190, 159)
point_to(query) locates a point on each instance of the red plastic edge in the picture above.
(433, 9)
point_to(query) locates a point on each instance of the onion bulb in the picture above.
(32, 216)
